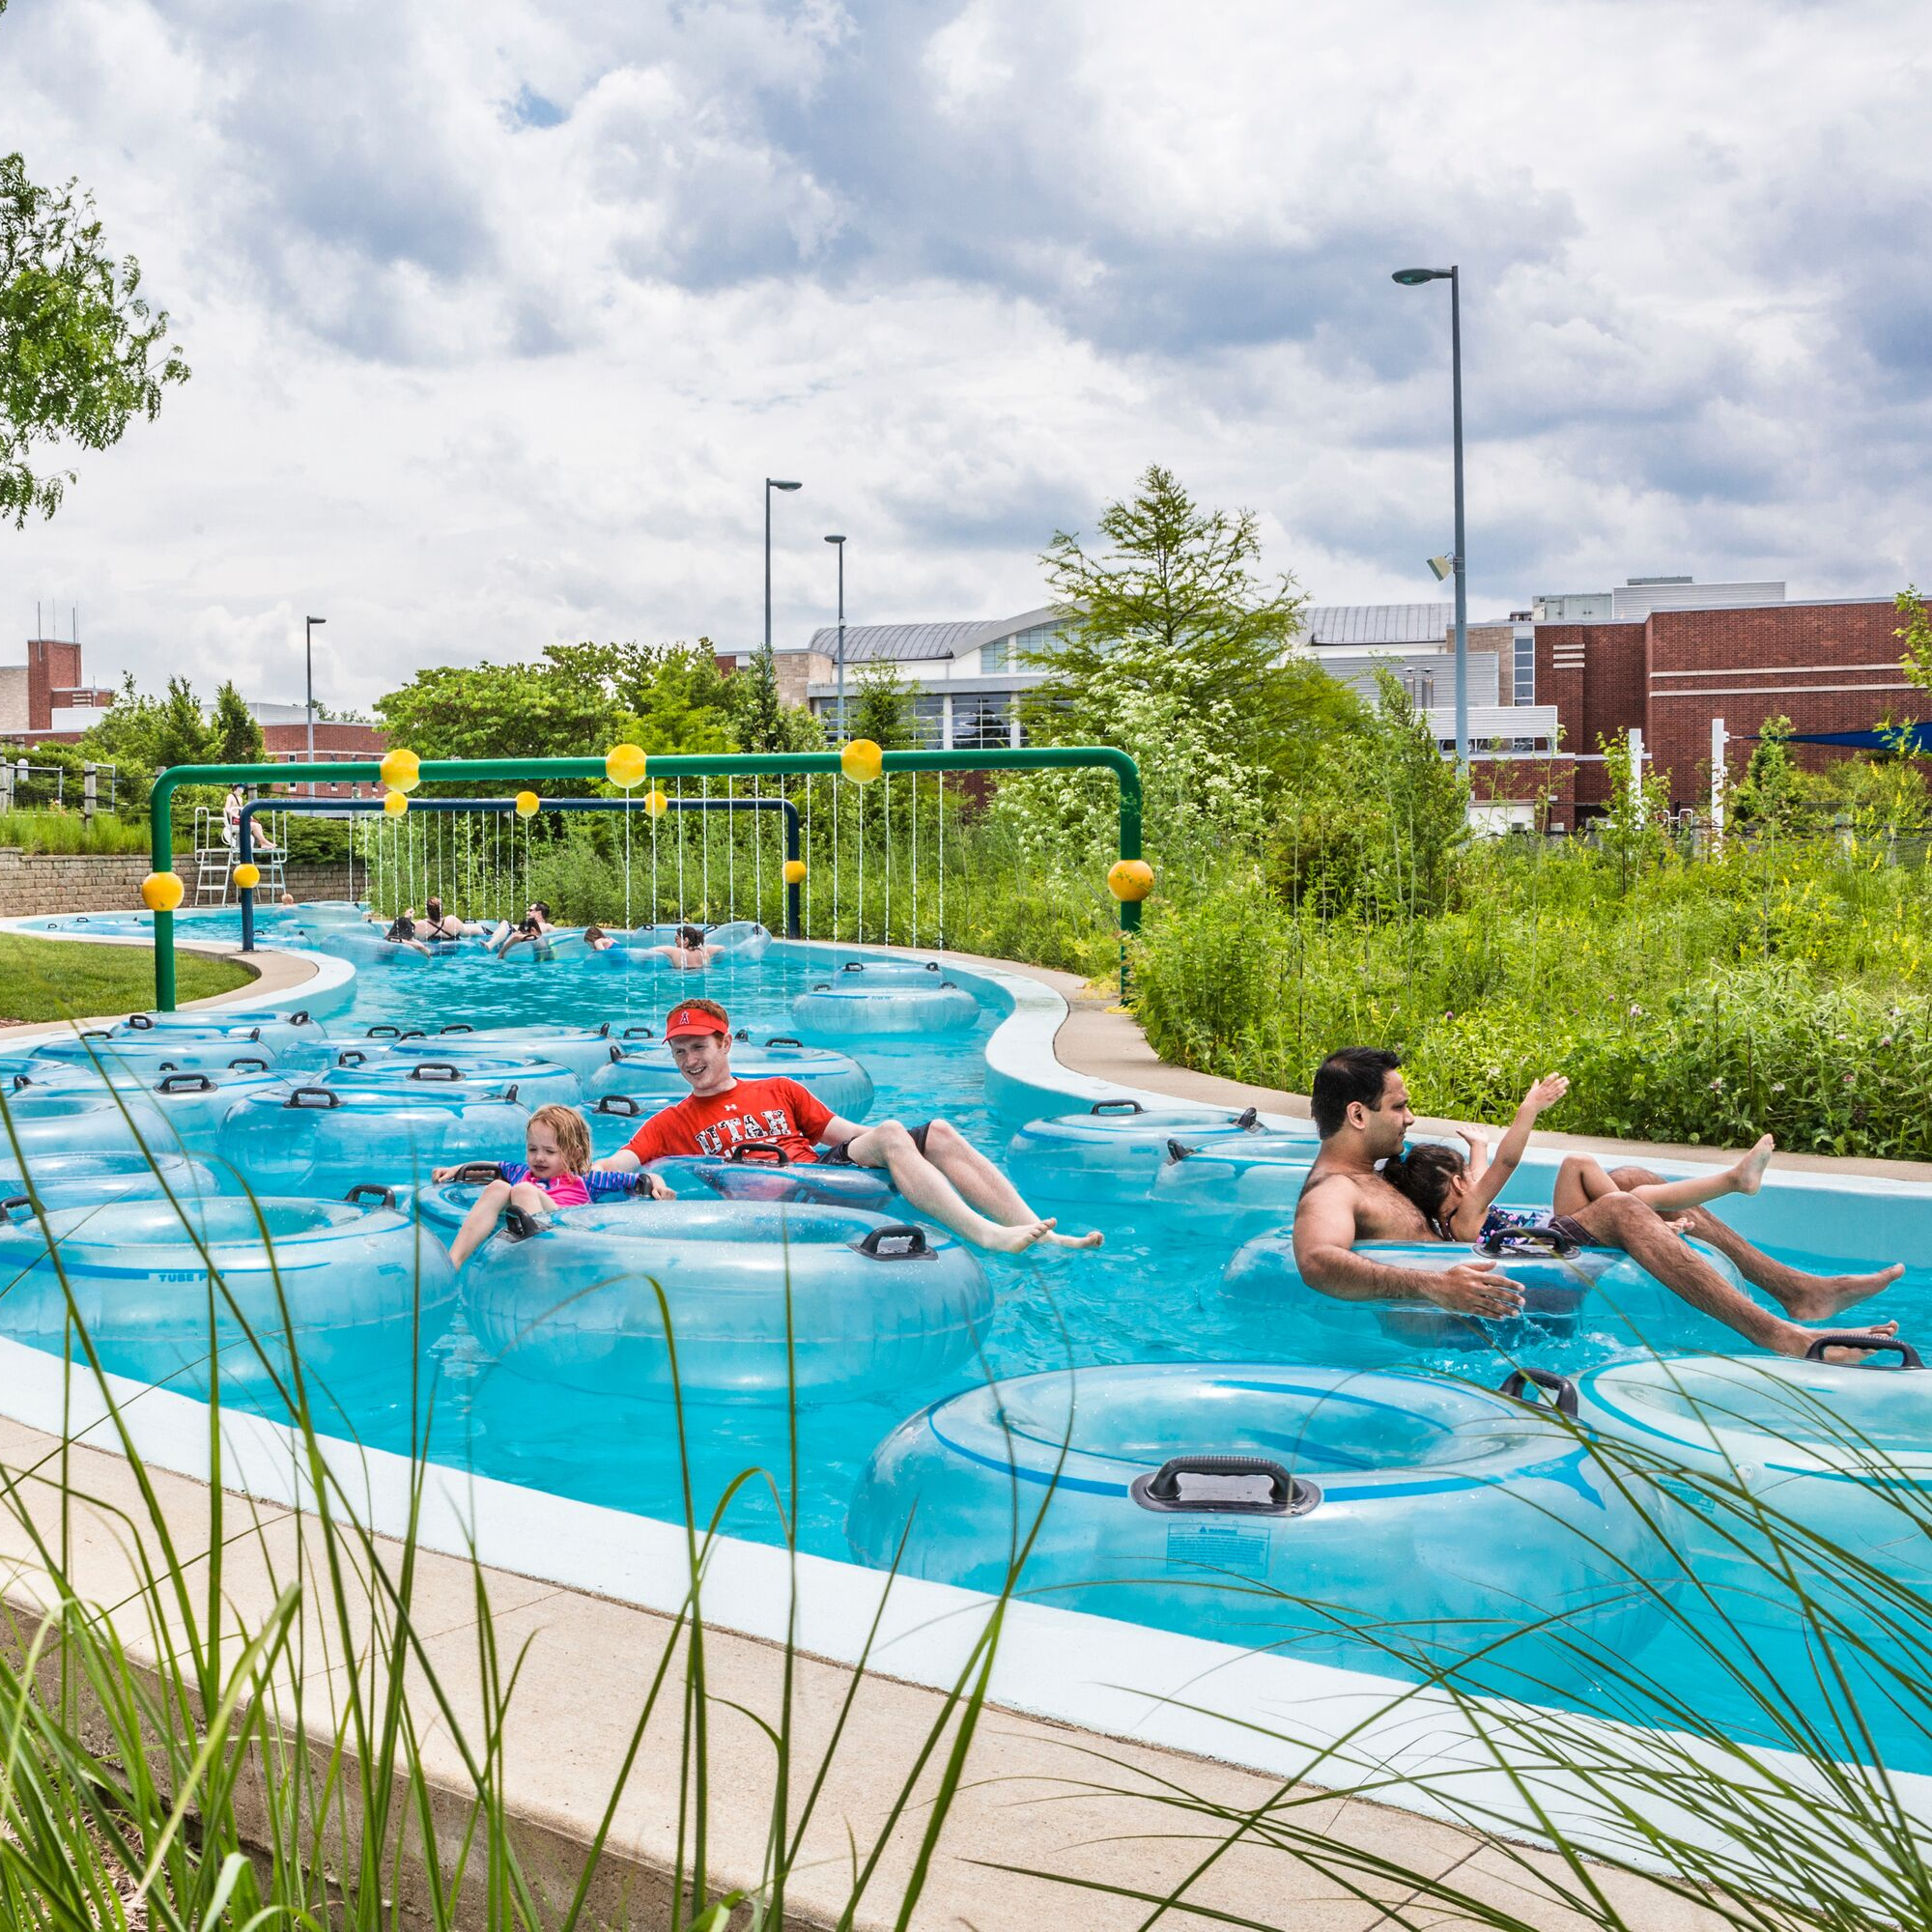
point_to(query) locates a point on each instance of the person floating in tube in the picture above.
(1361, 1112)
(933, 1166)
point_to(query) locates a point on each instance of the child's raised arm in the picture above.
(1486, 1181)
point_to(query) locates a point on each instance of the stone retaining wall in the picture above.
(49, 882)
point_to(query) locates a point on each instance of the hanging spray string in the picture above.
(680, 853)
(915, 859)
(836, 790)
(730, 849)
(886, 790)
(941, 776)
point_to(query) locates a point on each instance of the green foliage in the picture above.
(1784, 990)
(1374, 828)
(80, 353)
(1634, 832)
(1915, 635)
(1175, 607)
(235, 735)
(884, 712)
(1774, 791)
(760, 718)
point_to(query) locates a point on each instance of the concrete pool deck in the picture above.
(1031, 1799)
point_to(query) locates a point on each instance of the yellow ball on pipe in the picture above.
(528, 804)
(162, 892)
(395, 803)
(624, 765)
(794, 871)
(862, 761)
(1130, 880)
(402, 769)
(247, 877)
(657, 804)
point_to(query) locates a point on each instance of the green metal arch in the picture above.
(533, 772)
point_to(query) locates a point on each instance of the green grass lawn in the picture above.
(58, 978)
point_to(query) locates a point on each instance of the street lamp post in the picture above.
(1415, 278)
(308, 684)
(838, 543)
(771, 483)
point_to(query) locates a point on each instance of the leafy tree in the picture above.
(1773, 792)
(182, 736)
(884, 712)
(238, 737)
(762, 718)
(1634, 828)
(80, 353)
(1175, 605)
(1915, 635)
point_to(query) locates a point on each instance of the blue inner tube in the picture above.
(57, 1120)
(875, 1304)
(645, 1072)
(192, 1106)
(740, 942)
(583, 1050)
(854, 975)
(317, 1139)
(142, 1054)
(92, 1179)
(1558, 1291)
(530, 1083)
(277, 1032)
(1374, 1519)
(750, 1175)
(832, 1010)
(1113, 1149)
(355, 1280)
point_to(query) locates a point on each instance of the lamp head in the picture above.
(315, 621)
(1443, 566)
(772, 483)
(1413, 278)
(837, 540)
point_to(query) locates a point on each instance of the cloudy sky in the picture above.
(499, 313)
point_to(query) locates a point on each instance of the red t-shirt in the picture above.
(775, 1113)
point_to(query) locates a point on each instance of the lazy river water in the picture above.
(1152, 1295)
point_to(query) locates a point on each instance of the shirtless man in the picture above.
(933, 1166)
(1361, 1111)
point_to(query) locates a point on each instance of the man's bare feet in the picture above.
(1793, 1340)
(1088, 1240)
(1747, 1176)
(1018, 1239)
(1827, 1296)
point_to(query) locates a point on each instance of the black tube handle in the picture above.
(351, 1056)
(853, 966)
(1180, 1150)
(320, 1097)
(478, 1172)
(783, 1039)
(1117, 1107)
(618, 1103)
(1288, 1494)
(603, 1031)
(641, 1033)
(823, 986)
(743, 1033)
(383, 1032)
(1506, 1241)
(413, 1033)
(759, 1153)
(1247, 1117)
(184, 1083)
(435, 1072)
(1559, 1387)
(895, 1241)
(94, 1032)
(520, 1223)
(11, 1202)
(1895, 1344)
(384, 1197)
(22, 1080)
(140, 1023)
(509, 1094)
(460, 1026)
(254, 1035)
(248, 1063)
(300, 1017)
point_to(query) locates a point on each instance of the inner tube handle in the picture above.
(437, 1072)
(14, 1201)
(1894, 1345)
(783, 1039)
(1248, 1117)
(1180, 1150)
(313, 1096)
(140, 1023)
(478, 1173)
(1560, 1387)
(1117, 1107)
(248, 1063)
(895, 1241)
(1288, 1494)
(184, 1083)
(384, 1197)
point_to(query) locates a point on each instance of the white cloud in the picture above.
(469, 379)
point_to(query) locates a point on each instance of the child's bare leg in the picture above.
(1580, 1180)
(1674, 1197)
(481, 1221)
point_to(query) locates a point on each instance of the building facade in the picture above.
(49, 697)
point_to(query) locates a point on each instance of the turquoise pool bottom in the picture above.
(1151, 1294)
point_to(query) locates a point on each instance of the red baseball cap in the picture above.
(689, 1020)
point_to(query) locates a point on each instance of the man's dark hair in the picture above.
(1348, 1074)
(543, 907)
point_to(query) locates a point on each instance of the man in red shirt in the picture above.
(934, 1166)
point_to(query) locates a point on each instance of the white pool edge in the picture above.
(1096, 1674)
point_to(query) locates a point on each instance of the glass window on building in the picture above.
(1524, 637)
(1023, 646)
(982, 721)
(928, 723)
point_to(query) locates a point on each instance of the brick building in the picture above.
(38, 699)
